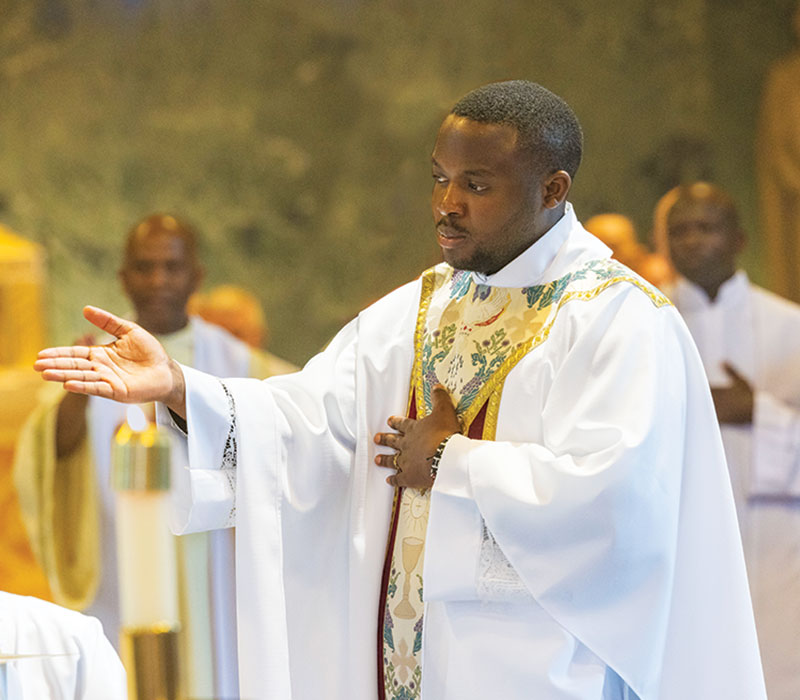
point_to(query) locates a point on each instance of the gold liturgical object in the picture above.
(21, 285)
(22, 279)
(146, 559)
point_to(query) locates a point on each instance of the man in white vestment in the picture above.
(557, 522)
(63, 467)
(749, 340)
(50, 653)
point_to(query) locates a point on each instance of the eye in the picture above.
(477, 187)
(440, 179)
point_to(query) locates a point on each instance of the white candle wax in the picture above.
(145, 546)
(146, 560)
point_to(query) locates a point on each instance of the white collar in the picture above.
(732, 292)
(538, 263)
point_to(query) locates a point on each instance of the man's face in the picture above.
(487, 205)
(703, 243)
(158, 275)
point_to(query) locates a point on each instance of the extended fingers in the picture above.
(68, 375)
(107, 321)
(93, 388)
(45, 357)
(389, 439)
(65, 363)
(387, 460)
(399, 424)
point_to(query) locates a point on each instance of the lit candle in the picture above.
(146, 559)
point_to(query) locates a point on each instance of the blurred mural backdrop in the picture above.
(296, 134)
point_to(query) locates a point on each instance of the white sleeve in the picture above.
(315, 405)
(775, 467)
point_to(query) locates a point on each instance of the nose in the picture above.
(159, 276)
(447, 200)
(687, 239)
(693, 239)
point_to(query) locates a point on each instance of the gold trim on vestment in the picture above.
(428, 287)
(491, 391)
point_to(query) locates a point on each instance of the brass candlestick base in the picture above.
(150, 656)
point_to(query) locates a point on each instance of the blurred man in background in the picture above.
(749, 340)
(63, 468)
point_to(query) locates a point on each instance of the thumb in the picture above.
(440, 398)
(733, 374)
(108, 322)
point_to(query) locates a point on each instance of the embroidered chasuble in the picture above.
(468, 337)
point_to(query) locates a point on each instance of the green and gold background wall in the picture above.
(296, 134)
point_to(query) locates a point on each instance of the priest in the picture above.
(557, 520)
(63, 464)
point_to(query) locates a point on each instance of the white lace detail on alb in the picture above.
(229, 454)
(497, 579)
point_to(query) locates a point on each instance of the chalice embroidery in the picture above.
(415, 520)
(412, 549)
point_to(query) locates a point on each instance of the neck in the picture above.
(157, 328)
(712, 287)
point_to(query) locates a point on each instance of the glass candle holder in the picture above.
(146, 560)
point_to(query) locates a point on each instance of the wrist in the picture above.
(437, 456)
(176, 398)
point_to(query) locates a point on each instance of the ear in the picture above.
(199, 276)
(122, 276)
(740, 243)
(556, 187)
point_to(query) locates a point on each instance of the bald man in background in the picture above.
(63, 468)
(749, 340)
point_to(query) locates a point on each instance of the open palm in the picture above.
(134, 368)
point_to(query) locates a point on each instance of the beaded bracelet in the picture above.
(437, 456)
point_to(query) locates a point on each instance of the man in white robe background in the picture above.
(63, 465)
(562, 524)
(749, 340)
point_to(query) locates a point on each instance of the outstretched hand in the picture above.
(134, 368)
(416, 441)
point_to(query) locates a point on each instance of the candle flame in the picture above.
(136, 419)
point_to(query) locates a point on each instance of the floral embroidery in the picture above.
(418, 630)
(466, 340)
(482, 292)
(600, 270)
(460, 284)
(388, 625)
(488, 356)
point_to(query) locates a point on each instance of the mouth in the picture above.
(450, 237)
(160, 302)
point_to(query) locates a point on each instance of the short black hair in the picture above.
(547, 126)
